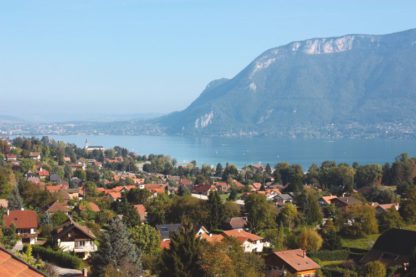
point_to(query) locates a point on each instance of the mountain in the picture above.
(323, 87)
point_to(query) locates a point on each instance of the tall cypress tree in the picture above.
(216, 210)
(15, 200)
(117, 251)
(182, 259)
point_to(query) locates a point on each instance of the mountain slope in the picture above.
(312, 88)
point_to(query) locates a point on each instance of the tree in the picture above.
(138, 196)
(332, 241)
(9, 237)
(390, 219)
(408, 206)
(27, 165)
(15, 200)
(146, 238)
(309, 205)
(368, 175)
(183, 258)
(7, 182)
(216, 211)
(309, 240)
(59, 218)
(261, 213)
(288, 215)
(359, 221)
(374, 269)
(117, 250)
(158, 208)
(227, 258)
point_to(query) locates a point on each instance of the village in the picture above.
(91, 211)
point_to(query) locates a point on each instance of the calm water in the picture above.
(242, 151)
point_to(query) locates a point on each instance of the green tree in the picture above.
(309, 204)
(9, 237)
(183, 258)
(261, 213)
(15, 200)
(59, 218)
(158, 209)
(146, 238)
(117, 250)
(390, 219)
(27, 165)
(368, 175)
(309, 240)
(7, 182)
(374, 269)
(408, 206)
(288, 215)
(359, 221)
(216, 211)
(138, 196)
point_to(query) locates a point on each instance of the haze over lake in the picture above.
(243, 151)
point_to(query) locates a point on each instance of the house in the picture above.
(343, 202)
(237, 184)
(141, 211)
(58, 206)
(282, 199)
(12, 266)
(26, 223)
(393, 247)
(54, 178)
(155, 188)
(326, 200)
(57, 188)
(34, 156)
(294, 261)
(236, 223)
(4, 203)
(73, 237)
(203, 189)
(166, 230)
(89, 206)
(255, 186)
(43, 173)
(222, 186)
(382, 208)
(11, 157)
(250, 242)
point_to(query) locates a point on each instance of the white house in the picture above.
(250, 242)
(72, 237)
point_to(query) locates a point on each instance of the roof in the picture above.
(212, 237)
(286, 197)
(242, 235)
(203, 188)
(58, 206)
(387, 207)
(166, 229)
(297, 259)
(164, 244)
(238, 222)
(141, 210)
(56, 188)
(158, 188)
(347, 200)
(396, 241)
(327, 199)
(21, 219)
(91, 206)
(66, 227)
(11, 266)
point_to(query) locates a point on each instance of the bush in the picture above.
(331, 255)
(338, 272)
(57, 257)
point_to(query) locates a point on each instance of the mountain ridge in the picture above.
(351, 78)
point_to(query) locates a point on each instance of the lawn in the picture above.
(361, 243)
(329, 263)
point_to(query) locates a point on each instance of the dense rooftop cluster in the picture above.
(95, 211)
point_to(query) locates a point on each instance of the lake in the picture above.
(243, 151)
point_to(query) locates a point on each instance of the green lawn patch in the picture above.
(361, 243)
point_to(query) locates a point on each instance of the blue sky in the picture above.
(82, 58)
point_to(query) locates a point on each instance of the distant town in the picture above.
(92, 211)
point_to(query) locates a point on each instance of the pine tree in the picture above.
(215, 207)
(184, 254)
(15, 200)
(117, 251)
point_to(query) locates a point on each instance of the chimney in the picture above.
(8, 212)
(85, 272)
(303, 253)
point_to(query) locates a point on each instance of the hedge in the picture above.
(331, 255)
(338, 272)
(57, 257)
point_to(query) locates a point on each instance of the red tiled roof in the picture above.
(21, 219)
(156, 188)
(297, 259)
(89, 206)
(242, 235)
(58, 206)
(56, 188)
(164, 244)
(11, 266)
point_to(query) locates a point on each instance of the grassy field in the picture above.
(362, 243)
(329, 263)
